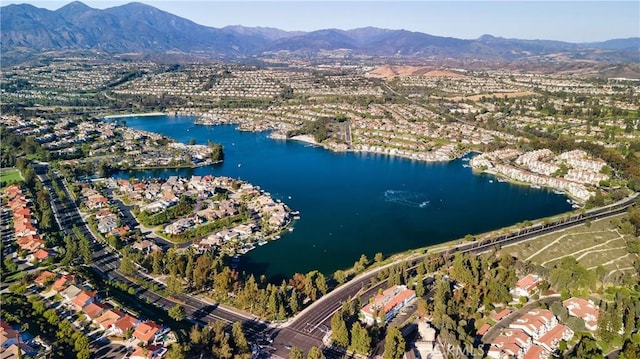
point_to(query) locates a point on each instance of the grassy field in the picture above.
(10, 176)
(594, 244)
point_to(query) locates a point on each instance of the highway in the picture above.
(310, 326)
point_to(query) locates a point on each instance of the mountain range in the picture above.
(140, 28)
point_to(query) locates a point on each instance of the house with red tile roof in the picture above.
(8, 335)
(42, 254)
(33, 244)
(18, 350)
(483, 329)
(95, 202)
(146, 331)
(124, 324)
(536, 352)
(501, 314)
(536, 323)
(44, 278)
(108, 318)
(527, 285)
(95, 309)
(83, 298)
(62, 282)
(510, 343)
(120, 231)
(390, 302)
(552, 338)
(585, 309)
(149, 352)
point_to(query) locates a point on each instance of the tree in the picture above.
(422, 308)
(127, 266)
(315, 353)
(339, 331)
(420, 288)
(239, 338)
(177, 312)
(630, 350)
(378, 257)
(321, 284)
(174, 285)
(81, 347)
(176, 351)
(340, 276)
(587, 348)
(294, 301)
(296, 353)
(360, 339)
(394, 344)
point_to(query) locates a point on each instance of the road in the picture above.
(106, 262)
(309, 323)
(310, 326)
(130, 220)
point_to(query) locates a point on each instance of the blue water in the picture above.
(353, 203)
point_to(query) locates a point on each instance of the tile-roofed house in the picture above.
(95, 309)
(501, 314)
(108, 318)
(146, 331)
(483, 329)
(33, 245)
(44, 277)
(124, 324)
(95, 202)
(8, 335)
(550, 340)
(18, 350)
(146, 246)
(149, 352)
(42, 254)
(61, 282)
(511, 342)
(390, 302)
(120, 231)
(83, 298)
(526, 285)
(585, 309)
(536, 323)
(536, 352)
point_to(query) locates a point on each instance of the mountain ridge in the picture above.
(141, 28)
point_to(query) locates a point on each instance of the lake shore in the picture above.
(148, 114)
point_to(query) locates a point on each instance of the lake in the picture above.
(354, 203)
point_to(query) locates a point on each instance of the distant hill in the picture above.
(140, 28)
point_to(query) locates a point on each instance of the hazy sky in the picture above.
(575, 21)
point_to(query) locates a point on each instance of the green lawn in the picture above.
(9, 176)
(596, 244)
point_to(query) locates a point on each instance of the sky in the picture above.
(573, 21)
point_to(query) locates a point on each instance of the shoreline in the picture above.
(148, 114)
(305, 139)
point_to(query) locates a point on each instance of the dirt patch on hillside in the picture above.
(389, 71)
